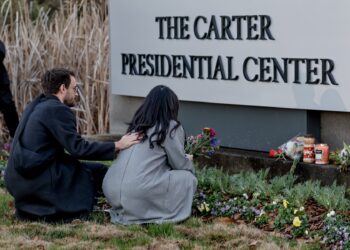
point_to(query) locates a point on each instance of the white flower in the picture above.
(331, 213)
(261, 212)
(306, 232)
(245, 196)
(235, 198)
(274, 203)
(344, 153)
(301, 209)
(256, 194)
(295, 211)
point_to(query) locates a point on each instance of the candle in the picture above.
(321, 153)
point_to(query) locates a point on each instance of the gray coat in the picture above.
(146, 185)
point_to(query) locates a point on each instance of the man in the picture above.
(43, 172)
(7, 106)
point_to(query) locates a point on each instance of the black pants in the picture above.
(8, 109)
(98, 171)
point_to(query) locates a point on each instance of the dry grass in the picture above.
(75, 37)
(107, 236)
(100, 234)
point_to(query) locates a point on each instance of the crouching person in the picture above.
(44, 175)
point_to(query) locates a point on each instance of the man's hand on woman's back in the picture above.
(128, 140)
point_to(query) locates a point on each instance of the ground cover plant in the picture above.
(297, 210)
(97, 233)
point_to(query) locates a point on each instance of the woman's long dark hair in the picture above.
(158, 109)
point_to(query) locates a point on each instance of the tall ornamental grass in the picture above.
(76, 36)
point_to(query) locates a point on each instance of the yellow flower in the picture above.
(201, 207)
(296, 222)
(206, 206)
(285, 203)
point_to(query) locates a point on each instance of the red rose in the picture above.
(273, 153)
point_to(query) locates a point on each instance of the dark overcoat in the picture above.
(43, 178)
(4, 78)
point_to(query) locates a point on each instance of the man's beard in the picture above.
(69, 103)
(72, 102)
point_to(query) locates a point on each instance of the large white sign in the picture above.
(289, 54)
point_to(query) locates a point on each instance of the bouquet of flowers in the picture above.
(204, 143)
(342, 157)
(292, 149)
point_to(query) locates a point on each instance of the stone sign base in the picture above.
(234, 161)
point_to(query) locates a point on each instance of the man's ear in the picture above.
(62, 88)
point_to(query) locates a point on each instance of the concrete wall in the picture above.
(241, 126)
(335, 128)
(122, 109)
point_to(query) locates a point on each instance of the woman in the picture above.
(153, 182)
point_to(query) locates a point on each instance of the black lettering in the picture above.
(238, 20)
(156, 63)
(142, 64)
(172, 28)
(245, 69)
(150, 57)
(162, 65)
(125, 61)
(187, 67)
(200, 66)
(132, 68)
(208, 58)
(265, 27)
(176, 66)
(282, 72)
(225, 28)
(160, 20)
(184, 28)
(231, 76)
(213, 27)
(311, 70)
(197, 35)
(251, 26)
(327, 71)
(219, 67)
(296, 62)
(264, 69)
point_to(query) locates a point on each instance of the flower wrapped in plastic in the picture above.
(293, 148)
(204, 144)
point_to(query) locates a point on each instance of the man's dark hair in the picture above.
(54, 78)
(158, 109)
